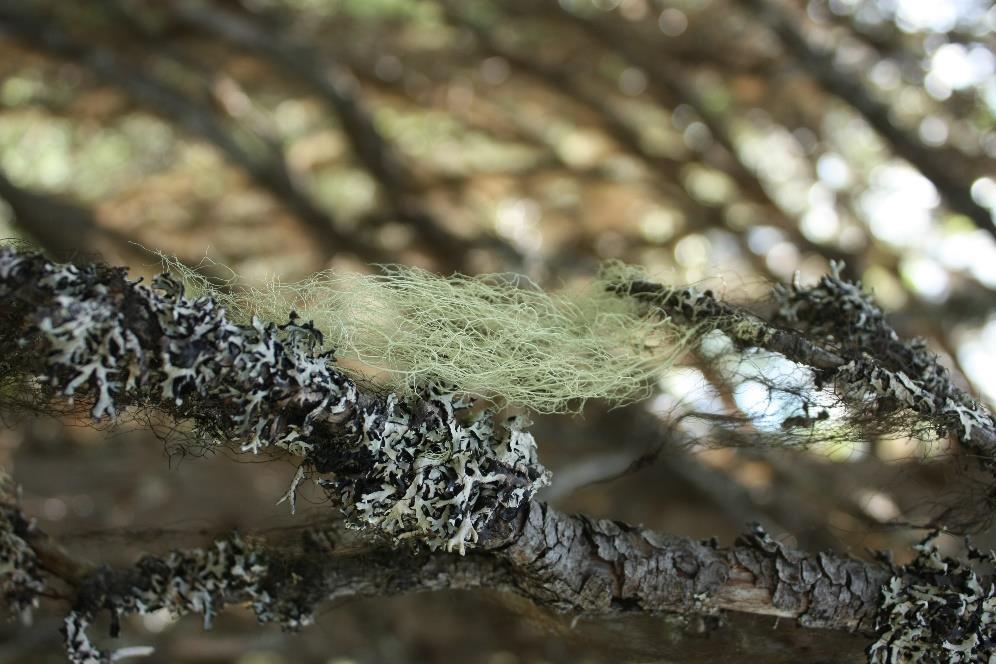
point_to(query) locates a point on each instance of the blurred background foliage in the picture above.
(725, 143)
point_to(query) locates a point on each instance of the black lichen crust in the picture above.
(20, 573)
(199, 581)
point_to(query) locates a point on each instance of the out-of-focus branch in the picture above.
(62, 228)
(269, 171)
(820, 64)
(67, 230)
(854, 346)
(672, 86)
(337, 86)
(667, 172)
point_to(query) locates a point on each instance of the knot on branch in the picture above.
(937, 609)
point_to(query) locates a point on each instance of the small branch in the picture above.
(856, 348)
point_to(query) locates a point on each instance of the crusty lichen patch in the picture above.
(200, 581)
(938, 609)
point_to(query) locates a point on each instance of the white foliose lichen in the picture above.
(435, 479)
(881, 365)
(200, 581)
(410, 468)
(937, 610)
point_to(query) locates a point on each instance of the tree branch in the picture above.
(407, 470)
(854, 346)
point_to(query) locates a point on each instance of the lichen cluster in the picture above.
(892, 372)
(404, 468)
(20, 576)
(200, 581)
(937, 609)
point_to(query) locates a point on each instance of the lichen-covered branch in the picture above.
(280, 584)
(409, 468)
(418, 471)
(837, 330)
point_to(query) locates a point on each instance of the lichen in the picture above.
(496, 336)
(200, 581)
(20, 575)
(444, 491)
(896, 372)
(937, 609)
(404, 467)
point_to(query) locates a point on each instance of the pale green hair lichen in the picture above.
(496, 336)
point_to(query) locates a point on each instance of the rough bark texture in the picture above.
(574, 563)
